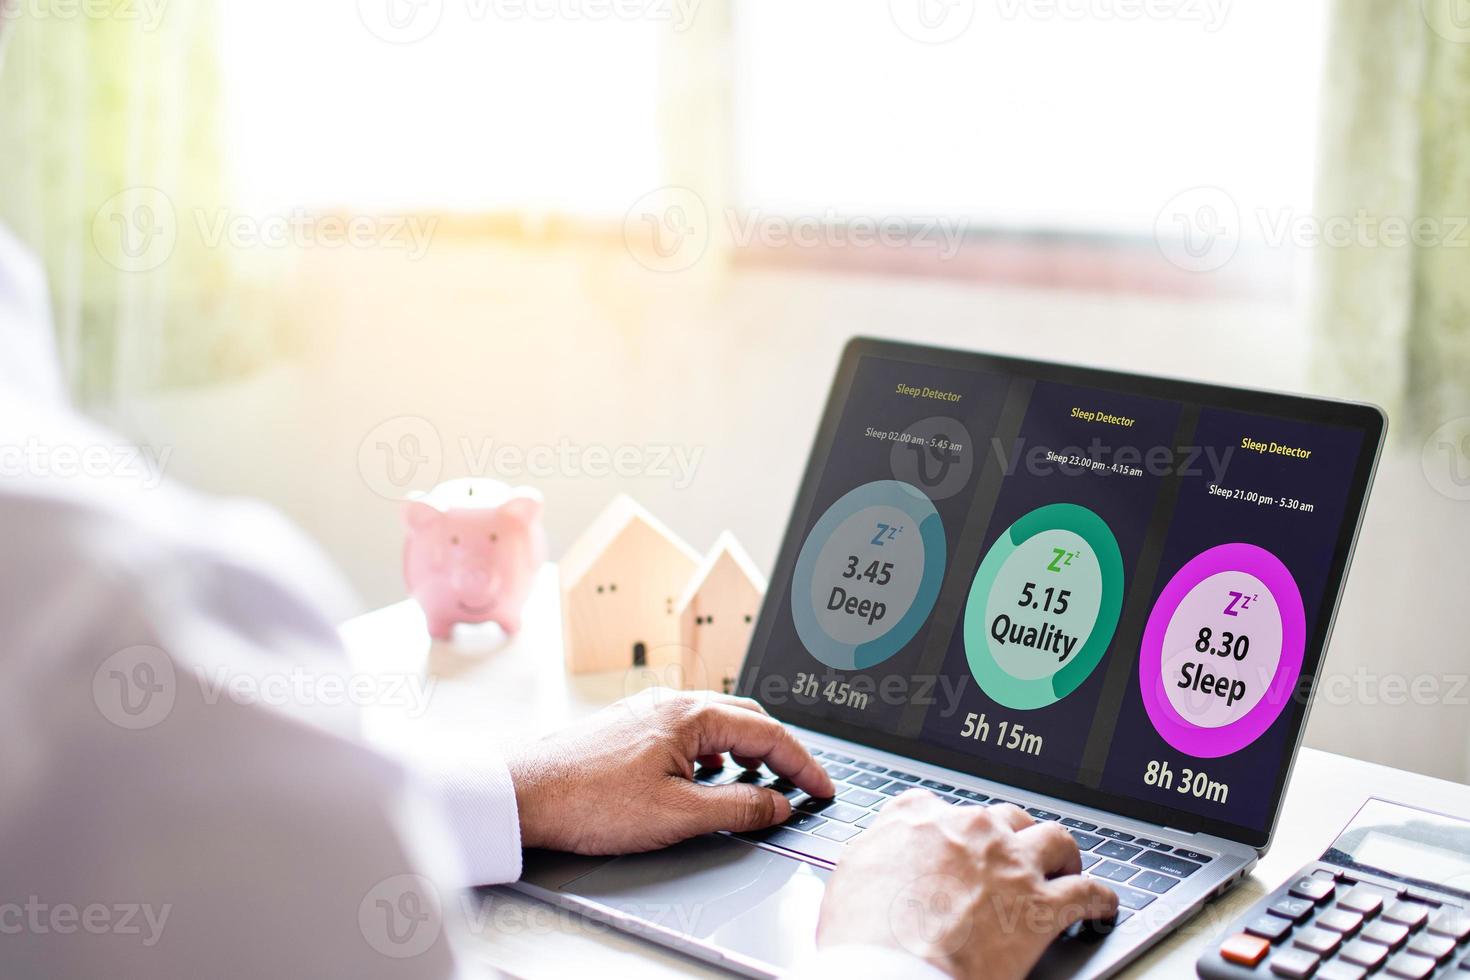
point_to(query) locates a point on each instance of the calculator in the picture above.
(1390, 898)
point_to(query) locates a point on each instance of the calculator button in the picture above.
(1338, 970)
(1411, 914)
(1437, 948)
(1313, 888)
(1294, 963)
(1295, 909)
(1362, 899)
(1319, 941)
(1410, 966)
(1390, 934)
(1268, 927)
(1365, 954)
(1451, 923)
(1340, 920)
(1245, 949)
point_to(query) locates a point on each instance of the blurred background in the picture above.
(325, 253)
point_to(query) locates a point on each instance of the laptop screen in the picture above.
(1107, 588)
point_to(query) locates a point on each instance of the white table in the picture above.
(486, 687)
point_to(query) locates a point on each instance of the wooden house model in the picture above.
(717, 611)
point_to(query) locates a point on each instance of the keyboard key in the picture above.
(1361, 898)
(804, 821)
(1169, 864)
(1363, 953)
(871, 767)
(965, 803)
(1295, 964)
(838, 772)
(1156, 883)
(969, 794)
(1319, 941)
(1189, 855)
(813, 805)
(869, 780)
(1245, 949)
(816, 753)
(1113, 834)
(1119, 852)
(1113, 871)
(1452, 923)
(1411, 914)
(1085, 841)
(1437, 948)
(860, 797)
(1268, 927)
(1390, 934)
(997, 801)
(1410, 967)
(895, 789)
(1340, 920)
(936, 785)
(1295, 909)
(836, 831)
(845, 760)
(1041, 814)
(792, 840)
(1151, 845)
(1088, 860)
(868, 821)
(946, 798)
(1076, 824)
(1313, 889)
(844, 812)
(906, 777)
(1131, 898)
(1338, 970)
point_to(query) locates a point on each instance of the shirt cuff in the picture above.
(864, 963)
(480, 805)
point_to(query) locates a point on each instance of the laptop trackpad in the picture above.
(720, 890)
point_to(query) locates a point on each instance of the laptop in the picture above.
(1099, 596)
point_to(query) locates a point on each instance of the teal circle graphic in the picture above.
(868, 575)
(1043, 606)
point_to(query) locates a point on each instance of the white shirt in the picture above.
(180, 796)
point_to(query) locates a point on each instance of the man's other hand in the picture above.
(976, 892)
(622, 781)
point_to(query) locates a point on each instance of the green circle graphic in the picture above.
(1069, 557)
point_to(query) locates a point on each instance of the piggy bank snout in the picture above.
(474, 584)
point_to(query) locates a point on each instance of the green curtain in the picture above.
(1393, 312)
(113, 162)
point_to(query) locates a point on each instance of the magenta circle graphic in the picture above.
(1222, 650)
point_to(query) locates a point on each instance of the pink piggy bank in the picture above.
(473, 550)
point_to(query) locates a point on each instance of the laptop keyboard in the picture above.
(1138, 869)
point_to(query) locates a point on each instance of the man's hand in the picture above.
(974, 891)
(621, 782)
